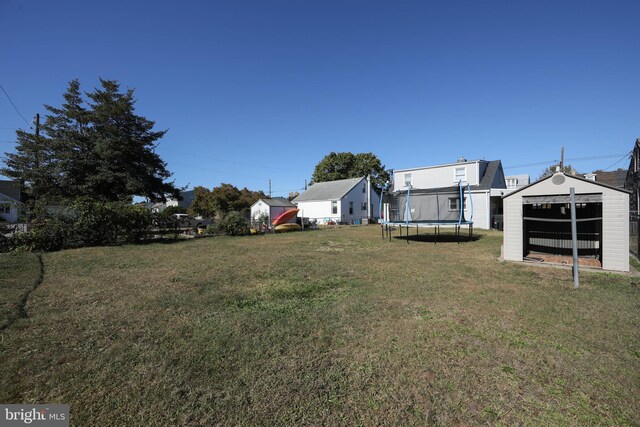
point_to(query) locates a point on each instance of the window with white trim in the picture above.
(5, 208)
(364, 206)
(350, 208)
(512, 182)
(407, 179)
(460, 174)
(334, 207)
(454, 204)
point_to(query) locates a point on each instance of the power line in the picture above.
(15, 108)
(623, 157)
(573, 159)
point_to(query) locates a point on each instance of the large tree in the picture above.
(223, 199)
(336, 166)
(99, 149)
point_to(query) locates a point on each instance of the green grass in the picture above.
(331, 327)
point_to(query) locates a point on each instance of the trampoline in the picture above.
(421, 208)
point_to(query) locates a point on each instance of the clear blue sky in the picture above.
(256, 90)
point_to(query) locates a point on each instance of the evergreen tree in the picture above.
(103, 151)
(33, 164)
(123, 144)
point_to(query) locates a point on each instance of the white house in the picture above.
(271, 207)
(485, 179)
(347, 201)
(537, 219)
(10, 201)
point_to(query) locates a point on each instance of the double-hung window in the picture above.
(407, 180)
(454, 204)
(460, 174)
(334, 207)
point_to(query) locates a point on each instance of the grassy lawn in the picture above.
(331, 327)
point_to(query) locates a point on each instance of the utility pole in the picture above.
(269, 188)
(562, 159)
(305, 185)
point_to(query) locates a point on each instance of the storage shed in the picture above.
(537, 222)
(271, 208)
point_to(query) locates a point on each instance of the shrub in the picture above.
(234, 224)
(83, 223)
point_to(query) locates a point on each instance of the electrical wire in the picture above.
(16, 108)
(572, 159)
(623, 157)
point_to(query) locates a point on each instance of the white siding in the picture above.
(481, 204)
(321, 210)
(513, 245)
(259, 208)
(318, 210)
(436, 176)
(615, 220)
(615, 231)
(358, 197)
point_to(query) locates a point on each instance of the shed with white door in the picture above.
(537, 221)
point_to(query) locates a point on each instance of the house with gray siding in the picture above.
(485, 180)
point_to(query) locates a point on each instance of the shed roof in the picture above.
(622, 190)
(277, 201)
(330, 190)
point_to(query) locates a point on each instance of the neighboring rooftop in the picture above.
(330, 190)
(614, 178)
(517, 181)
(493, 177)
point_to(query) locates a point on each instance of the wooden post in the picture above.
(574, 238)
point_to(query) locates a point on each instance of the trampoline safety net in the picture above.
(432, 206)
